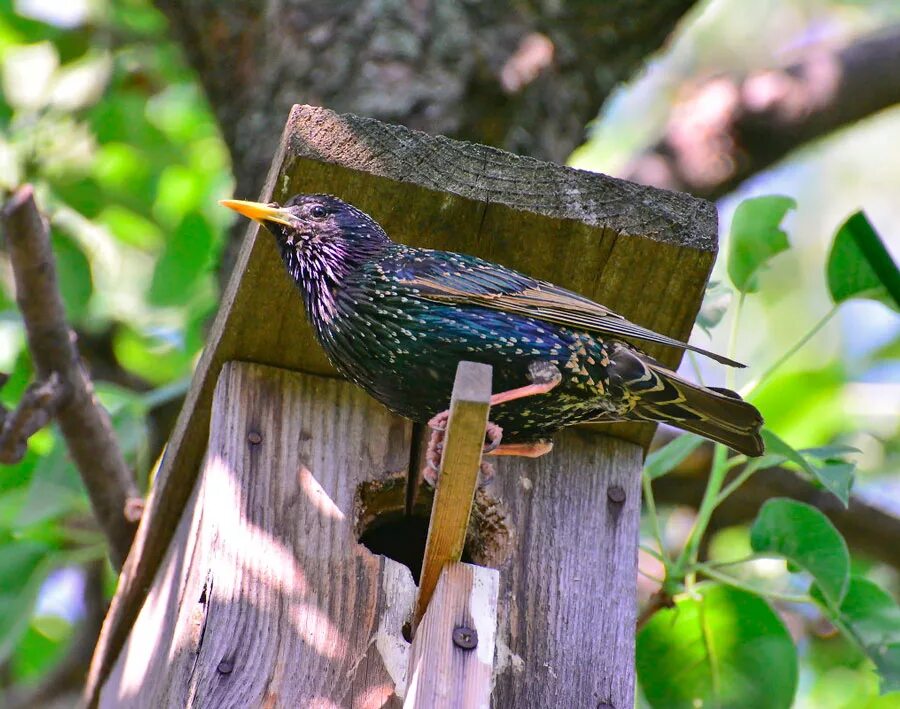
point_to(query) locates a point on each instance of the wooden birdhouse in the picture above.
(278, 559)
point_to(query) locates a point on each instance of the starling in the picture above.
(397, 320)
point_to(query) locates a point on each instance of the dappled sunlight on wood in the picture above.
(272, 562)
(272, 580)
(146, 641)
(317, 495)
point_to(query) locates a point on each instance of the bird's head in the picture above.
(309, 226)
(322, 240)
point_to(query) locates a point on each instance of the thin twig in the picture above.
(84, 424)
(656, 603)
(34, 411)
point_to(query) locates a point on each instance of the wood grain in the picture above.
(266, 599)
(458, 477)
(567, 591)
(644, 252)
(441, 673)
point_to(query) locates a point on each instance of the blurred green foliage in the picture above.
(100, 112)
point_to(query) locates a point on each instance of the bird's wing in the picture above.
(476, 282)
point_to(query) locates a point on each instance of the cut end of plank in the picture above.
(472, 383)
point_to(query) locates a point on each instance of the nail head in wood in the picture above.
(225, 667)
(465, 637)
(616, 494)
(254, 438)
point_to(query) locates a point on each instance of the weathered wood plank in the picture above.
(444, 671)
(458, 478)
(567, 589)
(644, 252)
(266, 599)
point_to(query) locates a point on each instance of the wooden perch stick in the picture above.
(458, 478)
(452, 657)
(84, 424)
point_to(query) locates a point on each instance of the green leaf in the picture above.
(664, 459)
(153, 358)
(75, 280)
(187, 257)
(715, 304)
(756, 237)
(871, 619)
(55, 489)
(21, 563)
(43, 644)
(859, 265)
(712, 651)
(826, 452)
(807, 538)
(836, 477)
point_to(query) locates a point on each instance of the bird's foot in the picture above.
(438, 426)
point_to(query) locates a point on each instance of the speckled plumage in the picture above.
(397, 320)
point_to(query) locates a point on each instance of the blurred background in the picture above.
(132, 119)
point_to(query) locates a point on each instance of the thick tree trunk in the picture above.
(526, 77)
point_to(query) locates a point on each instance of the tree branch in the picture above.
(729, 128)
(34, 411)
(864, 525)
(84, 424)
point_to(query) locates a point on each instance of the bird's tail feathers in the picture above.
(718, 414)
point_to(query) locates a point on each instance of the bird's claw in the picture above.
(439, 421)
(438, 426)
(495, 437)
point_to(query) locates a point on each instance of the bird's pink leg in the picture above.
(524, 450)
(544, 376)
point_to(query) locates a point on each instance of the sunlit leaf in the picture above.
(154, 359)
(756, 237)
(179, 112)
(27, 75)
(180, 192)
(42, 645)
(835, 476)
(664, 459)
(124, 169)
(870, 618)
(81, 83)
(807, 538)
(713, 651)
(131, 228)
(859, 265)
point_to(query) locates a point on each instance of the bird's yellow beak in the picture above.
(258, 211)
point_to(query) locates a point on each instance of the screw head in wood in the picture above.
(465, 638)
(254, 438)
(616, 493)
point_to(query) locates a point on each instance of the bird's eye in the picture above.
(318, 212)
